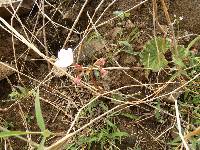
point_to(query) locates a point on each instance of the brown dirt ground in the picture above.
(61, 100)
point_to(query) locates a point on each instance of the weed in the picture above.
(40, 121)
(131, 116)
(47, 30)
(125, 40)
(121, 14)
(158, 115)
(153, 56)
(8, 125)
(106, 137)
(189, 107)
(20, 92)
(193, 143)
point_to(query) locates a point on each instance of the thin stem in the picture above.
(179, 124)
(174, 42)
(75, 22)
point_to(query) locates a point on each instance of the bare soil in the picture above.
(61, 99)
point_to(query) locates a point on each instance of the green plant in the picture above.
(158, 114)
(93, 36)
(125, 41)
(182, 54)
(121, 14)
(189, 105)
(8, 125)
(131, 116)
(105, 137)
(152, 56)
(92, 108)
(20, 92)
(40, 121)
(176, 142)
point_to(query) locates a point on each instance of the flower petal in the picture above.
(77, 80)
(103, 72)
(100, 62)
(65, 58)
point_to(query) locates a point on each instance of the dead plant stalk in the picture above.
(174, 42)
(179, 123)
(75, 22)
(35, 49)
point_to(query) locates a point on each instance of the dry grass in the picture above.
(96, 93)
(7, 2)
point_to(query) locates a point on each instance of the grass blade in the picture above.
(193, 42)
(38, 112)
(15, 133)
(41, 146)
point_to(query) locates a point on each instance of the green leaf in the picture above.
(38, 112)
(175, 141)
(130, 116)
(125, 43)
(127, 14)
(14, 133)
(97, 74)
(103, 135)
(92, 139)
(108, 122)
(152, 55)
(126, 47)
(178, 61)
(119, 134)
(46, 133)
(193, 42)
(121, 14)
(181, 55)
(22, 89)
(103, 106)
(14, 94)
(182, 51)
(93, 36)
(134, 34)
(72, 146)
(196, 100)
(41, 146)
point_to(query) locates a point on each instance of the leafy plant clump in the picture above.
(152, 56)
(106, 137)
(39, 118)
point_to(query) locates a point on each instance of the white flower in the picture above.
(181, 18)
(65, 58)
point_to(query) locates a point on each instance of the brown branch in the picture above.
(174, 42)
(75, 22)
